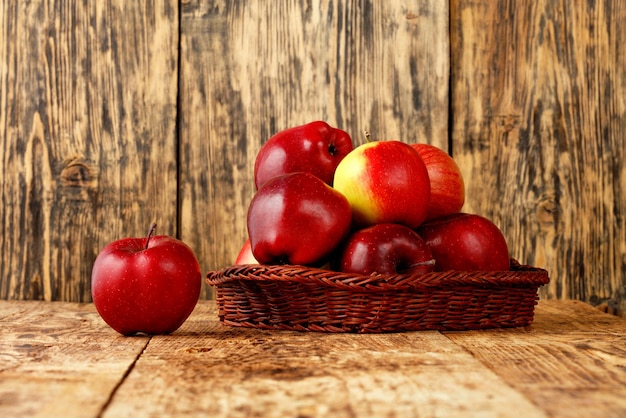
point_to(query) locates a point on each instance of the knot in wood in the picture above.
(548, 212)
(76, 174)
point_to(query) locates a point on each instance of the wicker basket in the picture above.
(309, 299)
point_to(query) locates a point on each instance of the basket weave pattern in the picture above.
(308, 299)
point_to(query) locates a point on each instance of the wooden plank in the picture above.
(570, 362)
(250, 70)
(87, 136)
(59, 359)
(209, 369)
(538, 129)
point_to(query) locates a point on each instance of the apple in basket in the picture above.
(296, 218)
(387, 249)
(466, 242)
(447, 189)
(149, 285)
(315, 147)
(385, 182)
(245, 255)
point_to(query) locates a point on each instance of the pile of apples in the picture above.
(383, 207)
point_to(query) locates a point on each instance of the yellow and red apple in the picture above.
(385, 182)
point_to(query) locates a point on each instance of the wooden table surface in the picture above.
(61, 359)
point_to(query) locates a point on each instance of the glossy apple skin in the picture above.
(447, 188)
(245, 255)
(466, 242)
(139, 290)
(296, 218)
(316, 148)
(386, 249)
(385, 182)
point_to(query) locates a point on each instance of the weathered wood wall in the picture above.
(539, 128)
(114, 114)
(88, 107)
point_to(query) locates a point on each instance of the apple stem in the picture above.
(366, 134)
(150, 233)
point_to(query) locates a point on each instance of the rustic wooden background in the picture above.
(114, 114)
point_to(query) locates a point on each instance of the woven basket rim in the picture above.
(518, 276)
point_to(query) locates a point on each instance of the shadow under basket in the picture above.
(288, 297)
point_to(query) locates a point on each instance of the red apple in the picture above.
(447, 189)
(385, 182)
(149, 285)
(245, 255)
(296, 218)
(316, 148)
(386, 249)
(466, 242)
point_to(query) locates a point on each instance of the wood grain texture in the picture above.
(209, 369)
(251, 69)
(560, 363)
(59, 359)
(87, 134)
(538, 128)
